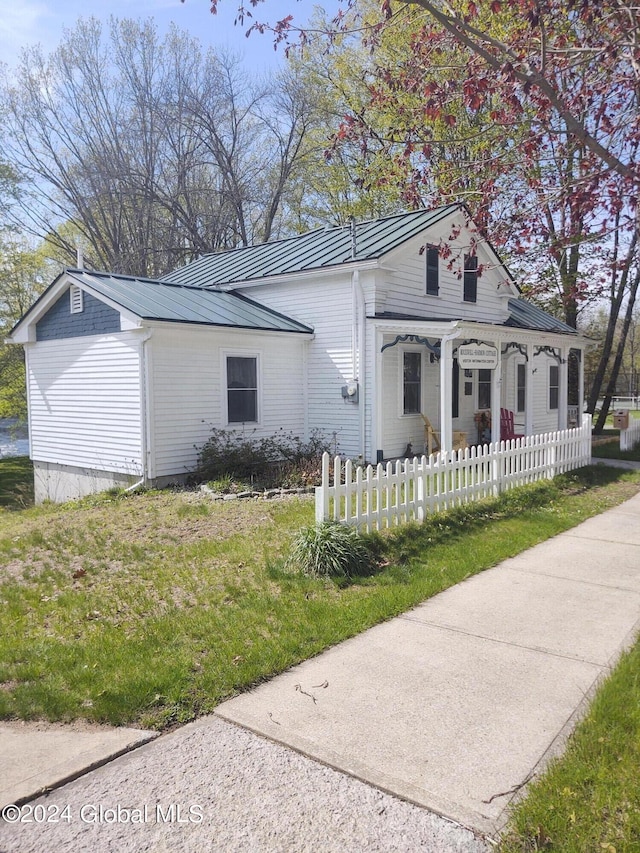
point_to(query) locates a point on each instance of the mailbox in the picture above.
(621, 419)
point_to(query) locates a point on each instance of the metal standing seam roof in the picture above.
(320, 249)
(525, 315)
(151, 299)
(522, 315)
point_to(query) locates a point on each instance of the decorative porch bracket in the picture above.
(550, 351)
(520, 347)
(414, 339)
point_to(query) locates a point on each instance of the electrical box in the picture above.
(621, 419)
(351, 391)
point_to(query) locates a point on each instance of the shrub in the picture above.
(330, 550)
(280, 460)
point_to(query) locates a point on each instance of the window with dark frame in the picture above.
(433, 282)
(470, 278)
(554, 386)
(412, 380)
(242, 389)
(455, 390)
(521, 386)
(484, 389)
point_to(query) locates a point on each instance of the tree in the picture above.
(24, 273)
(152, 151)
(566, 76)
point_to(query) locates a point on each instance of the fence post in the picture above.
(495, 467)
(419, 475)
(322, 492)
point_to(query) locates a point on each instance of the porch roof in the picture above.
(522, 315)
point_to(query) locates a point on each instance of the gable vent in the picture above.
(75, 295)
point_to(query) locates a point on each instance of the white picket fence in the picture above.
(406, 490)
(631, 436)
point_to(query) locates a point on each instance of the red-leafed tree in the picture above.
(556, 85)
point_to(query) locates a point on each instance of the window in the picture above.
(432, 271)
(455, 390)
(242, 389)
(75, 299)
(470, 278)
(484, 389)
(554, 385)
(521, 386)
(412, 380)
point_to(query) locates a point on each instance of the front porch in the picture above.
(462, 379)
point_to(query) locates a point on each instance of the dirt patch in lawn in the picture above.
(79, 537)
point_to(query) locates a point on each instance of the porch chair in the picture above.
(432, 438)
(507, 427)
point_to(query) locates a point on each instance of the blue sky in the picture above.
(25, 22)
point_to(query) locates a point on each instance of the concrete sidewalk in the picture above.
(36, 757)
(457, 703)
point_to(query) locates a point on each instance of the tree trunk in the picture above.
(617, 362)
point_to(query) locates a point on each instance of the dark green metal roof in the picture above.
(150, 299)
(525, 315)
(320, 249)
(522, 315)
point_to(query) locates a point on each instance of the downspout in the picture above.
(358, 354)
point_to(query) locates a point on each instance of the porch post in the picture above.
(496, 397)
(563, 390)
(528, 392)
(580, 385)
(446, 393)
(376, 395)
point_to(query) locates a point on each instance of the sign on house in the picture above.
(478, 357)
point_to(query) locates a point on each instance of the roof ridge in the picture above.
(323, 229)
(213, 288)
(440, 207)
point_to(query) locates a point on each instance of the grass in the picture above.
(16, 482)
(588, 801)
(611, 450)
(149, 609)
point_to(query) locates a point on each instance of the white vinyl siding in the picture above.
(399, 429)
(188, 389)
(84, 403)
(405, 286)
(326, 306)
(544, 419)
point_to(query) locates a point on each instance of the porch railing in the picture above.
(380, 496)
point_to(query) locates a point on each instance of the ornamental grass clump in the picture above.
(330, 550)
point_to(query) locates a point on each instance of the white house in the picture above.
(356, 331)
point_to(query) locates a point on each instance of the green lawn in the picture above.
(151, 608)
(16, 482)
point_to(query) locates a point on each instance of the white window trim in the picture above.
(401, 411)
(240, 353)
(76, 299)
